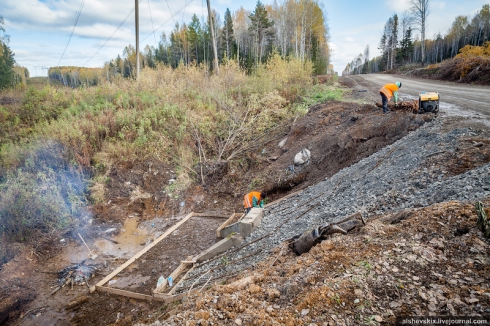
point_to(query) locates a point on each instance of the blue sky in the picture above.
(39, 29)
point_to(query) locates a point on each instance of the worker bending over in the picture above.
(253, 199)
(387, 92)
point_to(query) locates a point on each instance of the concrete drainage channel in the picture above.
(233, 231)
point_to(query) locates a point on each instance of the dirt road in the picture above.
(453, 95)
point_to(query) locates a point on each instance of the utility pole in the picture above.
(136, 11)
(211, 27)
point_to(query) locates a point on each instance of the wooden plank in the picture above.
(210, 215)
(127, 294)
(139, 254)
(235, 217)
(174, 275)
(180, 281)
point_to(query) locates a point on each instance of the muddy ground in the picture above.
(337, 134)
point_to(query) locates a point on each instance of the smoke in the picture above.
(47, 192)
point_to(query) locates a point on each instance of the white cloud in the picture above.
(398, 6)
(439, 5)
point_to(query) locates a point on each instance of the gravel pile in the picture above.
(395, 178)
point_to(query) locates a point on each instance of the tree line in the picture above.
(11, 74)
(293, 28)
(400, 46)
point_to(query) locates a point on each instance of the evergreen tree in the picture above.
(261, 29)
(195, 36)
(6, 60)
(406, 46)
(228, 36)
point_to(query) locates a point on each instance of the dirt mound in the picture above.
(473, 70)
(337, 134)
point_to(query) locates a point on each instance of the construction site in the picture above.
(387, 201)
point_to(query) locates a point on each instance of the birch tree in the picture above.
(420, 12)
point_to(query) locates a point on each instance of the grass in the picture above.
(57, 144)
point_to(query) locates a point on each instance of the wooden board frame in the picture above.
(186, 265)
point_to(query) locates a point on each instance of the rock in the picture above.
(302, 157)
(273, 293)
(305, 312)
(254, 288)
(202, 315)
(238, 321)
(282, 142)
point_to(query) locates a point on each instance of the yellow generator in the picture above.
(428, 102)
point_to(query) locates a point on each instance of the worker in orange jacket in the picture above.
(387, 92)
(253, 199)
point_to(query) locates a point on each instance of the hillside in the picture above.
(414, 177)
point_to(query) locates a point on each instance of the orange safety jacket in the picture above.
(390, 90)
(248, 199)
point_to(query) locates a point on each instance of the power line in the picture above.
(120, 25)
(73, 29)
(170, 11)
(185, 4)
(153, 27)
(164, 23)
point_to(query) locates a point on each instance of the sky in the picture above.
(40, 29)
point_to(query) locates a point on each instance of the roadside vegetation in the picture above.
(404, 50)
(471, 65)
(58, 143)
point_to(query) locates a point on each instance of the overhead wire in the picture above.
(170, 11)
(120, 25)
(77, 16)
(165, 22)
(153, 27)
(185, 5)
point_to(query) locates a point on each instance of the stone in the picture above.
(273, 293)
(254, 288)
(202, 315)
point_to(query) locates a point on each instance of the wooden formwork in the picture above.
(179, 274)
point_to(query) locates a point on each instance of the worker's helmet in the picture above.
(399, 84)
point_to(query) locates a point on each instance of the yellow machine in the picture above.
(428, 102)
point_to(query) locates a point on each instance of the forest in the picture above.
(401, 46)
(11, 74)
(293, 29)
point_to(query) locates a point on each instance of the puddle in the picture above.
(130, 241)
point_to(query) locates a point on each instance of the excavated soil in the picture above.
(338, 135)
